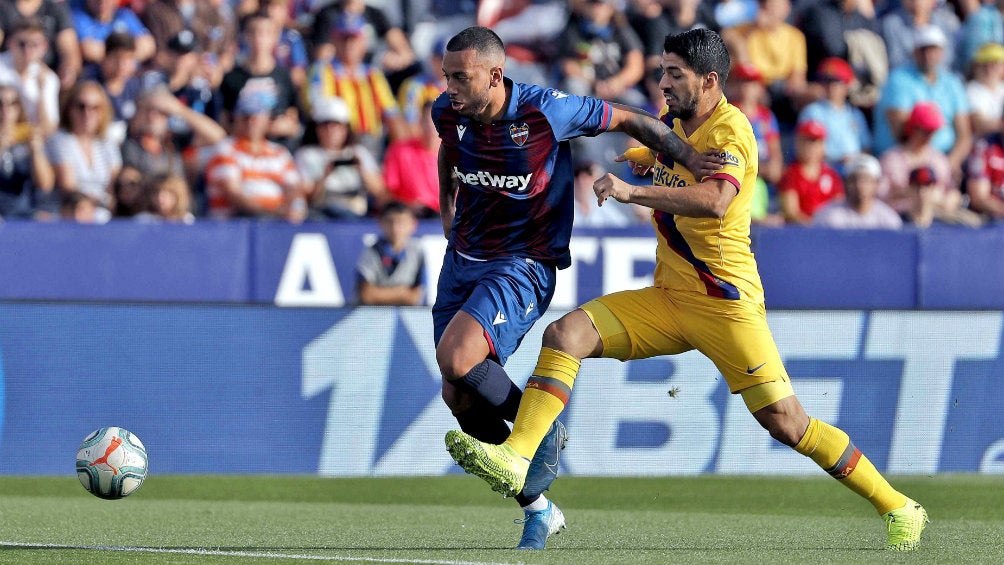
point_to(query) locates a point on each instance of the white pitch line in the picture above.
(249, 554)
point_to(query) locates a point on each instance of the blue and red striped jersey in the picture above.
(515, 174)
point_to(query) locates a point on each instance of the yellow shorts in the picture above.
(637, 324)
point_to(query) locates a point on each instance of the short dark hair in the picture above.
(395, 207)
(32, 23)
(703, 50)
(483, 40)
(120, 41)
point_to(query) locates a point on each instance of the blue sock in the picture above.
(492, 383)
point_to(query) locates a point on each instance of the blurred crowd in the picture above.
(867, 115)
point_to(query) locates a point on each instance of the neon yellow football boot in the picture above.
(904, 526)
(499, 465)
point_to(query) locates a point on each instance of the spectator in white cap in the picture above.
(926, 79)
(860, 208)
(908, 27)
(342, 179)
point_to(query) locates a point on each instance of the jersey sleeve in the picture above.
(737, 150)
(574, 116)
(640, 155)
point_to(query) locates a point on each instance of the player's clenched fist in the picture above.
(609, 186)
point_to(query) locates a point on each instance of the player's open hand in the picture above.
(609, 186)
(705, 164)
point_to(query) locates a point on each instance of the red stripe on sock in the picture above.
(849, 467)
(549, 389)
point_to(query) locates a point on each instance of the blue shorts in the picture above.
(507, 296)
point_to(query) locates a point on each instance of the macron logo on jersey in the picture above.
(484, 178)
(461, 130)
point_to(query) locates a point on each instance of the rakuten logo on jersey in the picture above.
(484, 178)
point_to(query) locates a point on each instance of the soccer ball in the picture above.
(111, 463)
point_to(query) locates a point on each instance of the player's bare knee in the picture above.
(573, 333)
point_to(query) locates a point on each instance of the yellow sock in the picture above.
(546, 395)
(832, 450)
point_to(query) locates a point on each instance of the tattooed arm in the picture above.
(652, 132)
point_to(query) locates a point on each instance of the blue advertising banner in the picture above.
(249, 262)
(355, 392)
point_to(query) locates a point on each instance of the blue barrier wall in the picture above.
(239, 389)
(313, 265)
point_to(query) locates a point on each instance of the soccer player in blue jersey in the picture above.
(506, 192)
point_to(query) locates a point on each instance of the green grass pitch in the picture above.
(456, 520)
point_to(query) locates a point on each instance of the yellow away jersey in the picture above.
(709, 255)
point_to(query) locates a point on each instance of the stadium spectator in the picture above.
(847, 131)
(150, 145)
(391, 271)
(214, 35)
(95, 20)
(85, 160)
(985, 90)
(291, 50)
(985, 177)
(80, 208)
(588, 213)
(916, 151)
(653, 20)
(808, 183)
(746, 92)
(410, 168)
(117, 73)
(261, 71)
(177, 69)
(26, 176)
(130, 192)
(531, 30)
(373, 111)
(925, 79)
(386, 45)
(64, 56)
(171, 200)
(419, 90)
(601, 55)
(832, 27)
(861, 208)
(341, 177)
(23, 65)
(248, 175)
(778, 50)
(904, 22)
(983, 24)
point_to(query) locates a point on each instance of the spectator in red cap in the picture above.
(808, 183)
(916, 150)
(848, 130)
(747, 93)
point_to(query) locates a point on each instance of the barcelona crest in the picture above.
(519, 134)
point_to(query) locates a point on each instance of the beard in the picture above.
(686, 107)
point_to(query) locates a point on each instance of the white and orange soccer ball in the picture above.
(111, 463)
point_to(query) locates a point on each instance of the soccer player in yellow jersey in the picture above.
(707, 296)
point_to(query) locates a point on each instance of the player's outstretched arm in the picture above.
(709, 199)
(652, 132)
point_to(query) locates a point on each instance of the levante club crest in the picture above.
(519, 134)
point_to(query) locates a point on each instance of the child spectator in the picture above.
(808, 183)
(171, 200)
(57, 23)
(391, 271)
